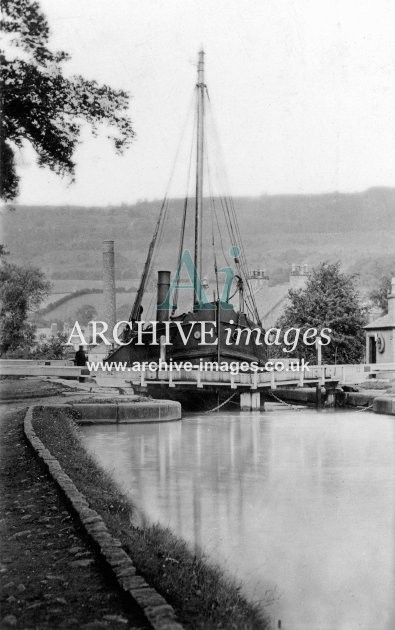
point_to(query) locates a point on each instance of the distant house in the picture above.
(380, 334)
(99, 352)
(42, 334)
(271, 301)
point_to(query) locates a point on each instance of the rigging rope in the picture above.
(233, 225)
(184, 216)
(229, 213)
(212, 208)
(157, 241)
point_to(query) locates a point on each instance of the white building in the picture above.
(380, 334)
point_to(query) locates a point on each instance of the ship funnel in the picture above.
(162, 314)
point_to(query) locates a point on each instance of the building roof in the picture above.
(387, 321)
(268, 300)
(101, 349)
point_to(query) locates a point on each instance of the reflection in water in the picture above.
(300, 503)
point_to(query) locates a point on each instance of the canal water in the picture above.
(298, 505)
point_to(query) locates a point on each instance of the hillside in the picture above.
(357, 228)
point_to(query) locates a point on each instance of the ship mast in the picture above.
(200, 85)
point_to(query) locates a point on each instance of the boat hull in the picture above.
(186, 346)
(235, 338)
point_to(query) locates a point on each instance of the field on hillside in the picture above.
(278, 230)
(68, 310)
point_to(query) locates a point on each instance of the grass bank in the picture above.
(202, 595)
(19, 388)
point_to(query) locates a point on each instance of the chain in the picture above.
(222, 404)
(293, 407)
(285, 403)
(364, 408)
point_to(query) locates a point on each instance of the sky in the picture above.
(303, 94)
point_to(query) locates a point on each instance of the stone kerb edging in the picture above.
(123, 412)
(155, 608)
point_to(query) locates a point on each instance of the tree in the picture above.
(379, 295)
(52, 348)
(85, 314)
(123, 312)
(329, 300)
(42, 106)
(3, 252)
(21, 290)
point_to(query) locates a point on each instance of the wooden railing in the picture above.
(342, 374)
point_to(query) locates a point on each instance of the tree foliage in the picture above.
(42, 106)
(379, 295)
(52, 348)
(85, 313)
(21, 290)
(329, 300)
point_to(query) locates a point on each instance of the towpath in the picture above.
(49, 576)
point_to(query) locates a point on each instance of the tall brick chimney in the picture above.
(109, 306)
(298, 276)
(258, 279)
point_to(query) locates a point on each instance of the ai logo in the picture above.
(195, 283)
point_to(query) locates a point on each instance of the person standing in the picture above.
(80, 357)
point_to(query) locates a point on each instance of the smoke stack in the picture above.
(109, 286)
(162, 314)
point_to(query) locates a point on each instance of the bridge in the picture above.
(342, 374)
(248, 384)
